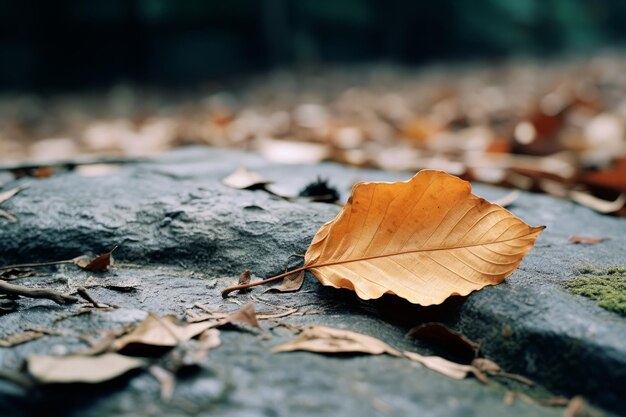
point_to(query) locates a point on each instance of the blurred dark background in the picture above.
(75, 44)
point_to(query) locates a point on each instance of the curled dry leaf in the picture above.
(424, 240)
(446, 367)
(446, 339)
(323, 339)
(245, 315)
(80, 369)
(159, 332)
(244, 278)
(100, 263)
(587, 240)
(291, 283)
(242, 179)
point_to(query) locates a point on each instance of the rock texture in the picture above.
(184, 236)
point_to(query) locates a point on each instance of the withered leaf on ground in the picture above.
(323, 339)
(446, 339)
(159, 332)
(6, 195)
(446, 367)
(245, 315)
(100, 263)
(20, 338)
(244, 278)
(291, 283)
(424, 240)
(80, 369)
(587, 240)
(243, 179)
(490, 367)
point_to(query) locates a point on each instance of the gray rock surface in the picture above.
(184, 236)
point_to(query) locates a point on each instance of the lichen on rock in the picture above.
(607, 287)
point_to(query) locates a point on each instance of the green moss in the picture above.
(607, 287)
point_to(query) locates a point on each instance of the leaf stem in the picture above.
(232, 288)
(36, 264)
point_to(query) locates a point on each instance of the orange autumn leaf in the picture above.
(424, 240)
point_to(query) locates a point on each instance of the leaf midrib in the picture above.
(367, 258)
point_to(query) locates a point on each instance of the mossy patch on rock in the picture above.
(607, 287)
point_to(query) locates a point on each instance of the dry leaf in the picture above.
(242, 179)
(80, 369)
(424, 240)
(4, 196)
(18, 339)
(490, 367)
(163, 332)
(446, 367)
(587, 240)
(244, 278)
(290, 283)
(447, 339)
(322, 339)
(245, 314)
(100, 263)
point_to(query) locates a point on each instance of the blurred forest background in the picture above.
(80, 44)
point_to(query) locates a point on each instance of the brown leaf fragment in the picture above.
(321, 339)
(18, 339)
(100, 263)
(491, 368)
(6, 195)
(587, 240)
(159, 332)
(291, 283)
(446, 367)
(577, 407)
(165, 379)
(244, 278)
(8, 216)
(245, 315)
(242, 179)
(446, 340)
(80, 369)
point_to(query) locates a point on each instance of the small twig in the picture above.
(86, 296)
(36, 264)
(48, 293)
(232, 288)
